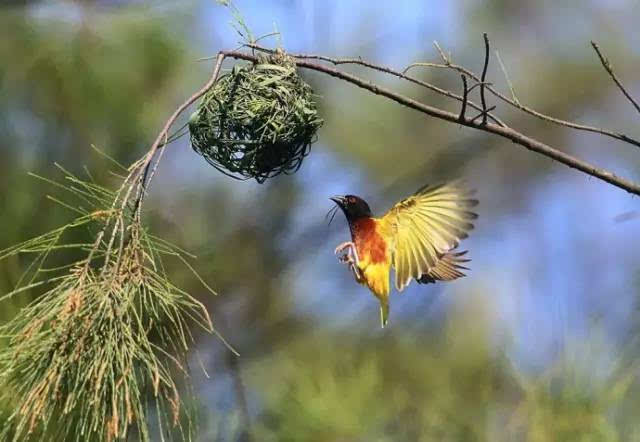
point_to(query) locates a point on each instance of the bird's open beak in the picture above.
(339, 200)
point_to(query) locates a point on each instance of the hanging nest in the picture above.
(258, 121)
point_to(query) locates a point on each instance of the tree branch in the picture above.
(483, 78)
(386, 70)
(137, 180)
(158, 144)
(505, 132)
(607, 66)
(447, 64)
(483, 115)
(465, 94)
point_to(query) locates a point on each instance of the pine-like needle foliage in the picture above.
(95, 357)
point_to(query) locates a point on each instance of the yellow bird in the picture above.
(417, 237)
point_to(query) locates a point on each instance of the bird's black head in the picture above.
(353, 206)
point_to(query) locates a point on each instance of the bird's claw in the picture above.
(351, 254)
(350, 257)
(345, 245)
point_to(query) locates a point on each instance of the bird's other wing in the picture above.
(448, 268)
(427, 225)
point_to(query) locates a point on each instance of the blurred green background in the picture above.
(538, 343)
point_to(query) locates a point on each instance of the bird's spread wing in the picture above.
(425, 227)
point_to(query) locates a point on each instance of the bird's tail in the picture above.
(384, 312)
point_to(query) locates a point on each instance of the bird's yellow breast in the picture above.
(373, 254)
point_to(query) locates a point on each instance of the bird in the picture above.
(418, 237)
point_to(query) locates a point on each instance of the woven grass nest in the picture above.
(258, 121)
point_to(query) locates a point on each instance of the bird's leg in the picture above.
(352, 254)
(353, 267)
(345, 245)
(357, 273)
(350, 258)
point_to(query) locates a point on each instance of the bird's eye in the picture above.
(352, 200)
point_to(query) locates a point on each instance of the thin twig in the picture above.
(161, 150)
(386, 70)
(465, 94)
(607, 65)
(138, 177)
(423, 64)
(479, 84)
(514, 97)
(445, 59)
(482, 114)
(607, 133)
(170, 121)
(96, 245)
(484, 77)
(505, 132)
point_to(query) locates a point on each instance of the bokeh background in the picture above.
(539, 343)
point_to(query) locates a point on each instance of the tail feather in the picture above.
(384, 312)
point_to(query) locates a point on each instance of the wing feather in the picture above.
(441, 235)
(448, 268)
(425, 227)
(426, 246)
